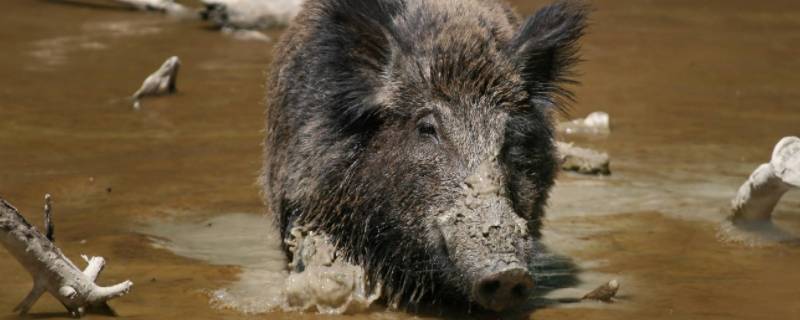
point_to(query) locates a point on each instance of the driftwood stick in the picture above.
(51, 270)
(161, 82)
(759, 195)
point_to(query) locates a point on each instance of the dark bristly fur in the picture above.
(378, 110)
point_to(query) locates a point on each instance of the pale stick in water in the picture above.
(758, 196)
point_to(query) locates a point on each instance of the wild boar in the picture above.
(418, 134)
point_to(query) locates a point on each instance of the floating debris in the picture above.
(582, 160)
(604, 293)
(595, 124)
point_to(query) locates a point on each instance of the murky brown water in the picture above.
(698, 94)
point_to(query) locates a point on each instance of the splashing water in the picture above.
(317, 281)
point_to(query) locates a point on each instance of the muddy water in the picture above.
(698, 94)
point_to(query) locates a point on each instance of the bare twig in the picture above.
(49, 228)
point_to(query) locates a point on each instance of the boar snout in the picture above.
(502, 289)
(488, 242)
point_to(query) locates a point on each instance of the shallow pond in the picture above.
(698, 94)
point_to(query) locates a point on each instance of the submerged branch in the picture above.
(759, 195)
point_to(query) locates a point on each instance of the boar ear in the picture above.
(360, 46)
(365, 28)
(546, 47)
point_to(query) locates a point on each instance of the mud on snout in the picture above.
(487, 242)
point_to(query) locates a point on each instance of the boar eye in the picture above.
(427, 127)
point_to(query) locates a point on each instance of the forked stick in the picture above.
(51, 270)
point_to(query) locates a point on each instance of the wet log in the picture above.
(161, 82)
(758, 196)
(51, 270)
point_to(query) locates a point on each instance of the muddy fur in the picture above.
(378, 111)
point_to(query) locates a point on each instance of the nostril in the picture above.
(520, 290)
(489, 288)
